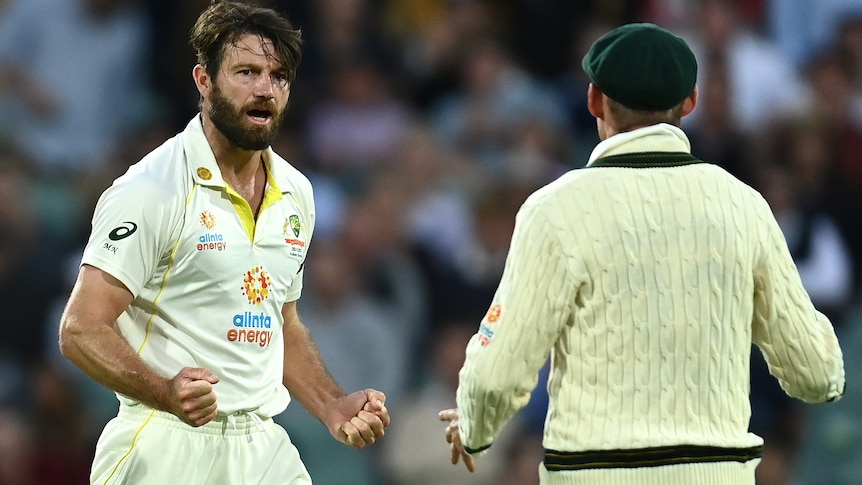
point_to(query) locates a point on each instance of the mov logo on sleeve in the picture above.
(121, 232)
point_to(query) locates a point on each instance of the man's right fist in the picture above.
(194, 399)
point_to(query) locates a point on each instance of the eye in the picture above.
(244, 72)
(280, 77)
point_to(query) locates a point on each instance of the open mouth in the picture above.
(259, 116)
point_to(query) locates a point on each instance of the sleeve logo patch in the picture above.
(494, 313)
(121, 232)
(486, 333)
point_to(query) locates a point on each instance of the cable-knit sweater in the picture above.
(646, 276)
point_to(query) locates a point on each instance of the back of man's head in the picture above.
(642, 66)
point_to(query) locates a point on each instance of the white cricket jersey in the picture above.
(209, 281)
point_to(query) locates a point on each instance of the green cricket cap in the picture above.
(642, 66)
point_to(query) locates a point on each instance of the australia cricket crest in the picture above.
(291, 231)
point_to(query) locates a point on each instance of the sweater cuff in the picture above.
(477, 451)
(839, 395)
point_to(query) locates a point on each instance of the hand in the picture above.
(193, 399)
(453, 437)
(359, 418)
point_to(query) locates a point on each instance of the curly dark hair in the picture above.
(224, 22)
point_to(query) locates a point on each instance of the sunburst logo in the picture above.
(255, 285)
(208, 219)
(494, 313)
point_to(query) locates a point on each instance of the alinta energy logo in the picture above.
(252, 327)
(210, 240)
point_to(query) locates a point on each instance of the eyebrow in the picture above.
(255, 66)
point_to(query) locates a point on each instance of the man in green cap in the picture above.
(646, 277)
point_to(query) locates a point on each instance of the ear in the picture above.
(595, 102)
(202, 80)
(689, 103)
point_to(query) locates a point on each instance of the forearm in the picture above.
(101, 353)
(305, 374)
(488, 400)
(798, 342)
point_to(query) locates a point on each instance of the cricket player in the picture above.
(646, 277)
(185, 304)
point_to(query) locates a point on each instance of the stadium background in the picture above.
(423, 125)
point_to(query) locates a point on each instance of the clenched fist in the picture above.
(359, 419)
(193, 398)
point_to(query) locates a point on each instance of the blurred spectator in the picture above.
(438, 217)
(817, 247)
(494, 93)
(536, 152)
(28, 275)
(64, 447)
(546, 26)
(571, 85)
(340, 29)
(849, 47)
(802, 28)
(764, 83)
(16, 449)
(359, 123)
(473, 279)
(74, 79)
(375, 236)
(334, 32)
(718, 138)
(431, 35)
(354, 335)
(47, 444)
(839, 104)
(523, 457)
(411, 455)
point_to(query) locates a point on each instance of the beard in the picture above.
(232, 122)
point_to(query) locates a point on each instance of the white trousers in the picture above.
(142, 446)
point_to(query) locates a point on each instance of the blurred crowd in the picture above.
(423, 125)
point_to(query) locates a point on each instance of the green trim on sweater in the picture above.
(646, 160)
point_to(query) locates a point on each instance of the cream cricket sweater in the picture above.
(646, 277)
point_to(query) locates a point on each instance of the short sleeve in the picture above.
(134, 226)
(305, 200)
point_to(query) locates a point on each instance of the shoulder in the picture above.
(551, 192)
(159, 179)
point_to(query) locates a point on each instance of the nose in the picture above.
(264, 87)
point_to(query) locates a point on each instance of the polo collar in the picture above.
(204, 170)
(661, 138)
